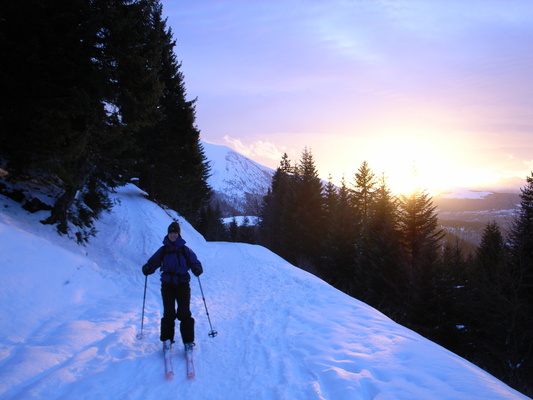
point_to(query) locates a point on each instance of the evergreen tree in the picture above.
(267, 217)
(51, 107)
(498, 333)
(450, 313)
(362, 197)
(132, 50)
(418, 226)
(84, 83)
(247, 232)
(174, 168)
(233, 230)
(308, 219)
(420, 242)
(331, 200)
(331, 204)
(338, 268)
(92, 90)
(210, 224)
(521, 238)
(49, 97)
(491, 254)
(127, 57)
(364, 191)
(275, 214)
(520, 330)
(489, 284)
(386, 278)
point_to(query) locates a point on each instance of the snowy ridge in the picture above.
(234, 173)
(462, 193)
(234, 177)
(70, 315)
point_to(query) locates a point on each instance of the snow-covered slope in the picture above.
(236, 180)
(70, 316)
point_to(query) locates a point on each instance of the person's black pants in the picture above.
(180, 294)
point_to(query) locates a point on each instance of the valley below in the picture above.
(467, 217)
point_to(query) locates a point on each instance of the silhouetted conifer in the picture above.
(421, 239)
(520, 329)
(275, 221)
(307, 226)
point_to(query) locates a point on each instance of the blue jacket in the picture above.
(175, 260)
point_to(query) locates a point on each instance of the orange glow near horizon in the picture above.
(411, 161)
(409, 158)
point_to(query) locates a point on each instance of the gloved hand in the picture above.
(146, 269)
(197, 271)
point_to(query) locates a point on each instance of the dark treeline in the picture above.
(389, 252)
(92, 96)
(210, 224)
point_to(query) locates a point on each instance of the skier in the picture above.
(175, 259)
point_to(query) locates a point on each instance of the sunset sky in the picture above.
(443, 88)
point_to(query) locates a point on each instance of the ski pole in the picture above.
(212, 333)
(140, 335)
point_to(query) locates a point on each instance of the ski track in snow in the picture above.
(283, 334)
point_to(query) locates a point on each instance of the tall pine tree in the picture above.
(364, 191)
(275, 214)
(520, 331)
(307, 228)
(489, 286)
(421, 239)
(174, 168)
(386, 279)
(338, 267)
(362, 197)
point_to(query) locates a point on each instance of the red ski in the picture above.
(167, 354)
(189, 360)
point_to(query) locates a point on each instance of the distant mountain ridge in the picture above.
(239, 184)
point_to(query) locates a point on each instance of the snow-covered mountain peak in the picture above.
(233, 172)
(237, 181)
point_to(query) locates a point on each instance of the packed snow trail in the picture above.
(70, 316)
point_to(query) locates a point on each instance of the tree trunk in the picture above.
(64, 202)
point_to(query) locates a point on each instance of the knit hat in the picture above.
(174, 227)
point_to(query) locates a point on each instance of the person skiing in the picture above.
(175, 260)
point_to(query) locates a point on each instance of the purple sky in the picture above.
(443, 87)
